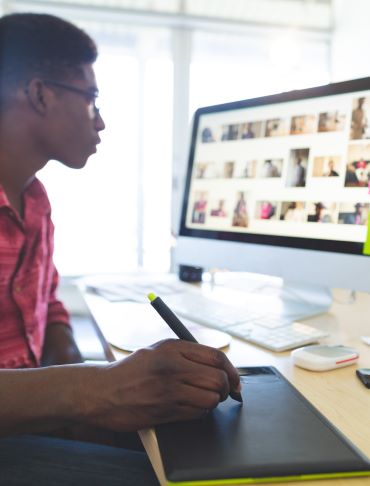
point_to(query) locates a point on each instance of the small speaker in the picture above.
(188, 273)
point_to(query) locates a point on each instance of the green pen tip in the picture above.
(151, 296)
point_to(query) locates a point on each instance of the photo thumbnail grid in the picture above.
(239, 213)
(240, 190)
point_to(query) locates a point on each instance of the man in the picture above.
(269, 169)
(319, 216)
(47, 111)
(248, 132)
(359, 120)
(331, 172)
(351, 179)
(298, 174)
(240, 216)
(356, 217)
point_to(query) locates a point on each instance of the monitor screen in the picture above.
(288, 170)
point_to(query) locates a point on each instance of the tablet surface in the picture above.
(276, 435)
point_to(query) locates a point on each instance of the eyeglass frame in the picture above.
(91, 94)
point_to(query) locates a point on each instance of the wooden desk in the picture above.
(338, 394)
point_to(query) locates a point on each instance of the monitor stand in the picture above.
(291, 300)
(300, 301)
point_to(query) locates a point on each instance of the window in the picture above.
(115, 214)
(233, 67)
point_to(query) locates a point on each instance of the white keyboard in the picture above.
(261, 327)
(257, 322)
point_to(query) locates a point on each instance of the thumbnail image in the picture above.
(358, 166)
(230, 132)
(207, 135)
(206, 170)
(266, 210)
(228, 170)
(277, 127)
(321, 212)
(240, 213)
(353, 213)
(220, 209)
(200, 170)
(294, 211)
(245, 170)
(250, 130)
(327, 166)
(331, 121)
(297, 170)
(300, 125)
(199, 208)
(360, 118)
(357, 174)
(271, 168)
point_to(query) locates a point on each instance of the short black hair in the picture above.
(41, 45)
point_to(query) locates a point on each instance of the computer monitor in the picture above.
(279, 185)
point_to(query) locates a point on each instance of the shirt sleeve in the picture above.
(57, 313)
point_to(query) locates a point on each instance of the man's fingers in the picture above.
(211, 357)
(197, 398)
(207, 378)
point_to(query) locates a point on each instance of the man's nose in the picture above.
(99, 123)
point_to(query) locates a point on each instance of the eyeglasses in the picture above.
(90, 95)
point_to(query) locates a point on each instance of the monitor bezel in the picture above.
(347, 247)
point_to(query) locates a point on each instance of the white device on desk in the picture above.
(366, 339)
(321, 358)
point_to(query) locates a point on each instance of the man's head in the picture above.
(361, 102)
(319, 207)
(358, 208)
(46, 76)
(44, 46)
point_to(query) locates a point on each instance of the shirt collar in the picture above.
(3, 199)
(35, 197)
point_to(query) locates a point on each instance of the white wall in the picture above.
(351, 39)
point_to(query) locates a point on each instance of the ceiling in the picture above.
(309, 14)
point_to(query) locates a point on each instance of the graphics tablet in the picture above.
(276, 435)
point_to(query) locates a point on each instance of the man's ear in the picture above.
(37, 95)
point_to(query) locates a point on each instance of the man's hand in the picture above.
(169, 381)
(59, 346)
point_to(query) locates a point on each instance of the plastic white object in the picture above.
(324, 357)
(366, 339)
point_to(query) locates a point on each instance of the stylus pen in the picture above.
(178, 328)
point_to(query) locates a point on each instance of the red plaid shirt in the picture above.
(28, 279)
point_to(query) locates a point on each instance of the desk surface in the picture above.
(338, 394)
